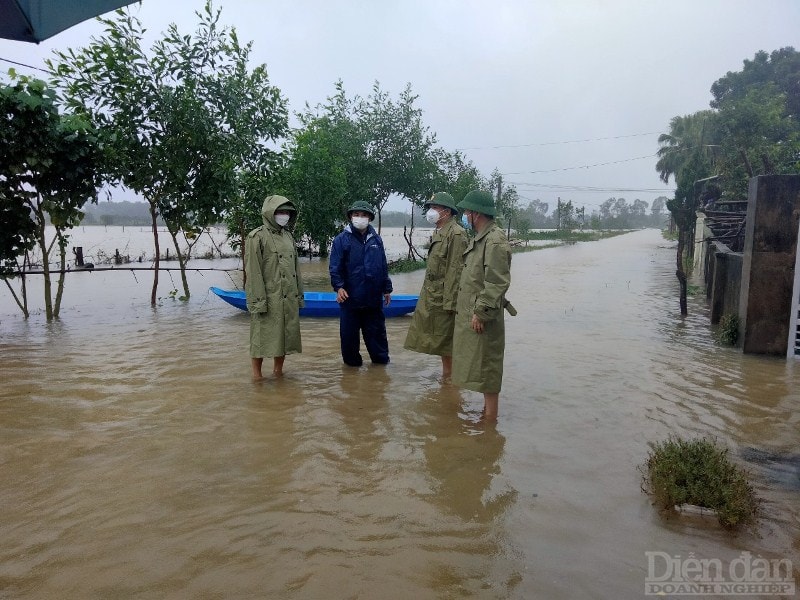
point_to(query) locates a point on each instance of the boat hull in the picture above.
(323, 304)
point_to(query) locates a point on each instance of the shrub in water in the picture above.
(728, 329)
(406, 265)
(699, 472)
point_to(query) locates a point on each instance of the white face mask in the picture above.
(432, 216)
(282, 220)
(360, 223)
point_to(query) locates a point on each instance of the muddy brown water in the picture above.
(138, 460)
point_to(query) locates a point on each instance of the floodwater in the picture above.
(138, 459)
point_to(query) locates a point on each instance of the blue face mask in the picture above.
(465, 222)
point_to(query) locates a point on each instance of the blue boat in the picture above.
(323, 304)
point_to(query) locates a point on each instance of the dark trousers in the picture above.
(372, 324)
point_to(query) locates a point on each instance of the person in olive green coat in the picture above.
(479, 337)
(273, 286)
(431, 329)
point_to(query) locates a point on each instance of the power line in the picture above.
(613, 162)
(522, 185)
(19, 64)
(615, 137)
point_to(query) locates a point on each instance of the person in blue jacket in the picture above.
(360, 277)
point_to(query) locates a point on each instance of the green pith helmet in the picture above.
(361, 205)
(442, 199)
(481, 202)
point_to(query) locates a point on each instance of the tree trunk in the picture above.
(410, 236)
(181, 262)
(48, 288)
(62, 275)
(158, 254)
(23, 301)
(680, 273)
(747, 166)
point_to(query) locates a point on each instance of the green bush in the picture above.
(699, 472)
(406, 265)
(728, 333)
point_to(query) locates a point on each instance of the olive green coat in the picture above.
(431, 329)
(478, 358)
(273, 287)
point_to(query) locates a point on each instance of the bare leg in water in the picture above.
(277, 366)
(256, 364)
(490, 403)
(447, 367)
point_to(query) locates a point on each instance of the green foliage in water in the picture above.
(728, 333)
(406, 265)
(699, 472)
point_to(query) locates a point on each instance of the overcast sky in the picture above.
(565, 97)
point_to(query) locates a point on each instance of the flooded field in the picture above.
(140, 461)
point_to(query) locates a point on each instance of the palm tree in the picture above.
(684, 156)
(686, 141)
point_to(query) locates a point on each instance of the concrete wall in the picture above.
(773, 214)
(725, 281)
(722, 273)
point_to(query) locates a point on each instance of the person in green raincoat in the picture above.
(431, 329)
(273, 286)
(479, 337)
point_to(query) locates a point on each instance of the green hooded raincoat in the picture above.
(478, 358)
(431, 329)
(274, 288)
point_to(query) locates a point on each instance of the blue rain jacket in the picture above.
(359, 266)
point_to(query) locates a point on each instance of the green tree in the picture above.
(506, 200)
(398, 147)
(565, 215)
(523, 227)
(684, 156)
(50, 166)
(326, 167)
(536, 213)
(758, 120)
(509, 208)
(188, 126)
(316, 177)
(375, 148)
(621, 213)
(638, 212)
(656, 210)
(227, 117)
(455, 174)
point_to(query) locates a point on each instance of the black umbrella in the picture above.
(37, 20)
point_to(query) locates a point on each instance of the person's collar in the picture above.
(485, 228)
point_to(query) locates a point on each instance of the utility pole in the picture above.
(558, 214)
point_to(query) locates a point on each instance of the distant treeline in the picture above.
(614, 213)
(118, 213)
(138, 213)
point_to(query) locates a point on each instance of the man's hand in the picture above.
(341, 295)
(476, 324)
(387, 299)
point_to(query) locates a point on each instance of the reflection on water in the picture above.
(462, 459)
(139, 460)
